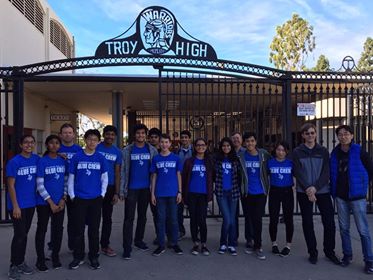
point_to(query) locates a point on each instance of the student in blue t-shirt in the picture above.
(135, 189)
(21, 201)
(197, 193)
(50, 200)
(68, 149)
(113, 157)
(281, 193)
(256, 190)
(166, 193)
(87, 183)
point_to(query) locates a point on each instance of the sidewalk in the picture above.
(170, 266)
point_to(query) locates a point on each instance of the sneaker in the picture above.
(25, 269)
(222, 249)
(232, 251)
(56, 264)
(94, 264)
(334, 259)
(275, 250)
(313, 258)
(126, 255)
(41, 267)
(285, 252)
(368, 268)
(75, 264)
(13, 273)
(194, 250)
(259, 254)
(346, 260)
(249, 248)
(142, 246)
(108, 251)
(177, 249)
(160, 250)
(205, 251)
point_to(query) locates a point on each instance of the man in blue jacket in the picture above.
(350, 167)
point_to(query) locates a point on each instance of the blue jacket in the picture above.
(357, 174)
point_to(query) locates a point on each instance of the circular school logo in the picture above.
(157, 27)
(197, 122)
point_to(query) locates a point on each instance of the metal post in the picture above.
(286, 110)
(160, 96)
(18, 113)
(117, 116)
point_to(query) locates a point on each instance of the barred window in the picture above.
(60, 39)
(32, 10)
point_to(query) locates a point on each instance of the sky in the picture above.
(238, 30)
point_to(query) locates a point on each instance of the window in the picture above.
(32, 10)
(60, 39)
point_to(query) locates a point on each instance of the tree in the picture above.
(366, 60)
(292, 43)
(322, 64)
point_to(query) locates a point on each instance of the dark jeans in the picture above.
(139, 198)
(107, 211)
(90, 208)
(256, 208)
(249, 234)
(325, 205)
(277, 197)
(155, 218)
(167, 214)
(228, 209)
(180, 217)
(44, 212)
(21, 228)
(70, 223)
(197, 205)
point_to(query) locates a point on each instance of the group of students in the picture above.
(89, 182)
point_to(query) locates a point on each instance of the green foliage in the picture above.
(366, 60)
(292, 43)
(322, 64)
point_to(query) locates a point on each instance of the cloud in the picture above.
(341, 9)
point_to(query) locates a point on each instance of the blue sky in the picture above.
(238, 30)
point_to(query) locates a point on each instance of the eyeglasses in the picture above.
(344, 134)
(310, 133)
(201, 145)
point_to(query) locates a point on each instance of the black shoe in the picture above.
(56, 264)
(346, 260)
(41, 267)
(75, 264)
(126, 255)
(205, 251)
(285, 252)
(275, 250)
(177, 249)
(94, 264)
(160, 250)
(142, 246)
(195, 250)
(313, 258)
(334, 259)
(368, 268)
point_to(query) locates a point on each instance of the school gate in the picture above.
(195, 90)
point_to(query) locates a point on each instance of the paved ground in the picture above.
(144, 266)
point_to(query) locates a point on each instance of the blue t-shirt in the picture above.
(53, 170)
(166, 168)
(87, 170)
(253, 172)
(281, 172)
(227, 174)
(69, 151)
(198, 178)
(113, 156)
(139, 176)
(23, 170)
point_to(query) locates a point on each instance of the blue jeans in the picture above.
(358, 208)
(167, 214)
(228, 208)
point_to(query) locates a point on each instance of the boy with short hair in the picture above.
(87, 183)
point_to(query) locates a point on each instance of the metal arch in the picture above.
(222, 66)
(324, 76)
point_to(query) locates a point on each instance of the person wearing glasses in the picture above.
(311, 170)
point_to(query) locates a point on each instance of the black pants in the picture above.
(180, 217)
(90, 208)
(281, 196)
(21, 228)
(197, 205)
(107, 211)
(256, 206)
(44, 212)
(325, 205)
(139, 198)
(249, 234)
(70, 223)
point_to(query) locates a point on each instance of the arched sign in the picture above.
(155, 33)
